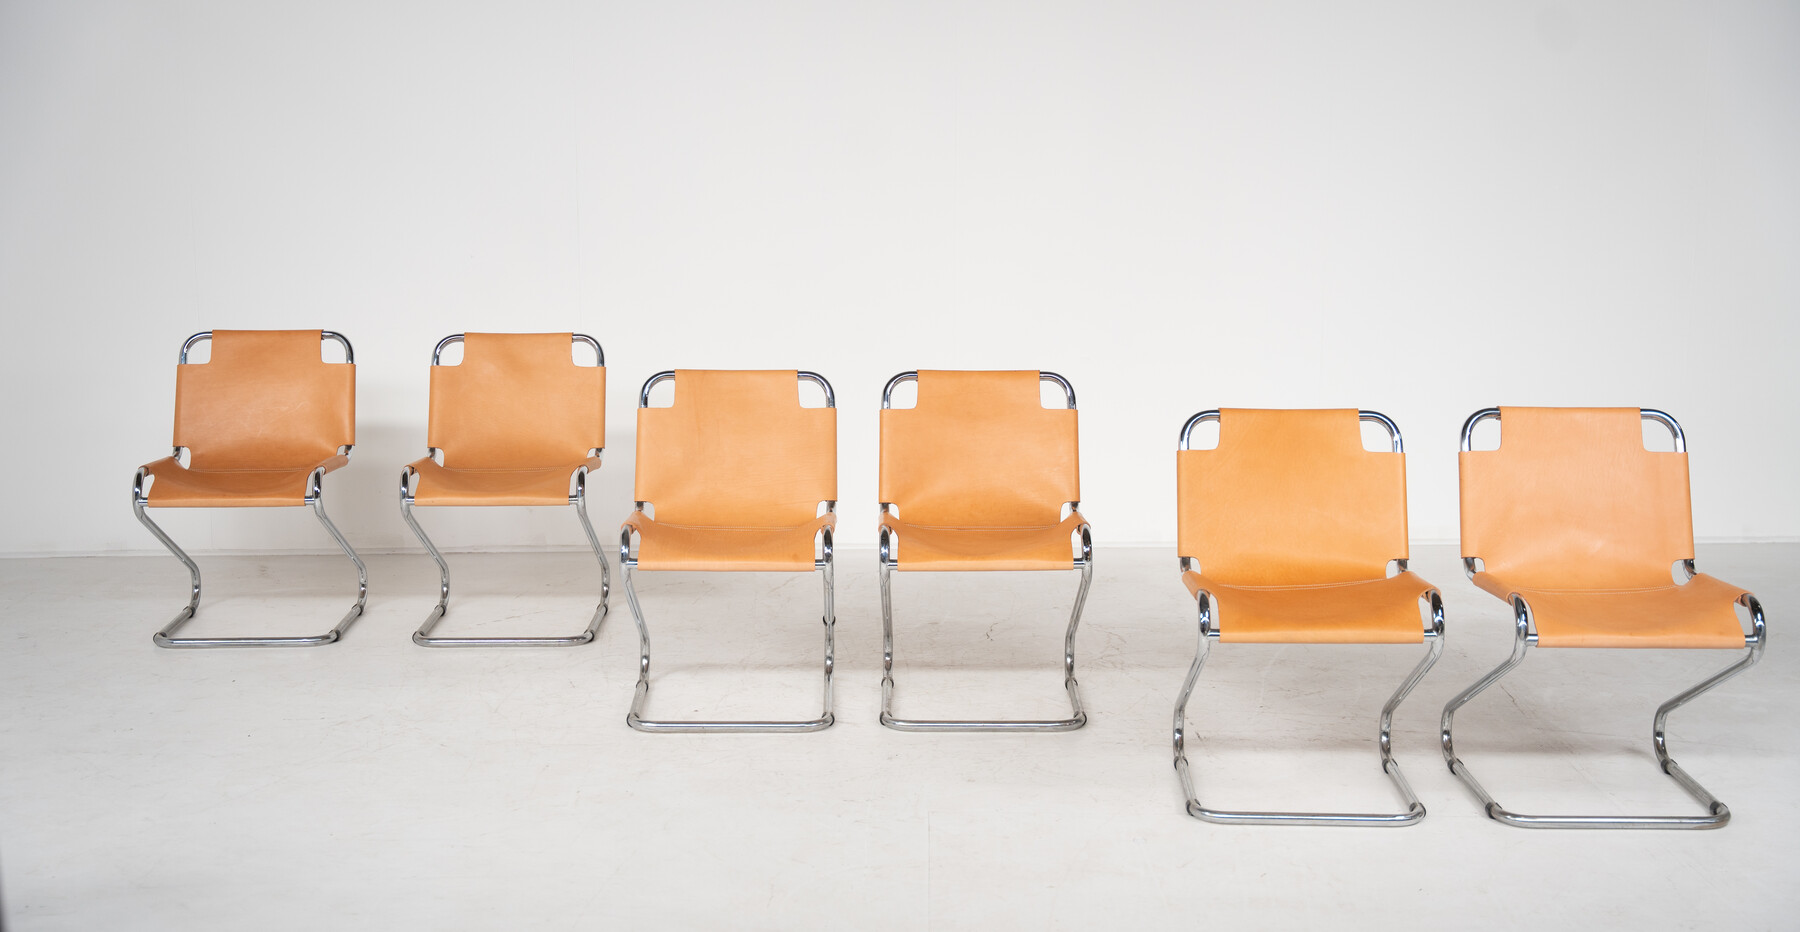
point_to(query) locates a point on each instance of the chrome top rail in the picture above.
(198, 338)
(1648, 414)
(1373, 417)
(804, 374)
(1663, 418)
(912, 375)
(599, 354)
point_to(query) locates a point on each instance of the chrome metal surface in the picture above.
(1373, 417)
(824, 564)
(316, 498)
(814, 377)
(651, 382)
(1648, 414)
(669, 374)
(1717, 813)
(1434, 637)
(1662, 417)
(912, 375)
(196, 339)
(192, 342)
(437, 352)
(424, 638)
(1468, 429)
(887, 564)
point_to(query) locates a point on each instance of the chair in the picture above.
(1286, 532)
(517, 422)
(732, 478)
(976, 477)
(1580, 528)
(261, 423)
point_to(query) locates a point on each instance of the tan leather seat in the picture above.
(1293, 523)
(1574, 514)
(517, 422)
(960, 549)
(975, 476)
(1580, 527)
(257, 420)
(262, 421)
(666, 546)
(736, 470)
(980, 471)
(1367, 611)
(178, 487)
(514, 420)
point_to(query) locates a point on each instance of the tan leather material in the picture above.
(1697, 614)
(1573, 500)
(1292, 523)
(1367, 611)
(545, 485)
(1291, 497)
(517, 401)
(979, 451)
(266, 400)
(939, 549)
(176, 486)
(664, 546)
(737, 450)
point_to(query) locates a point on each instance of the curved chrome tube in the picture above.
(804, 375)
(315, 497)
(1648, 414)
(1415, 810)
(204, 335)
(1374, 417)
(885, 567)
(825, 564)
(1717, 813)
(912, 375)
(437, 352)
(423, 637)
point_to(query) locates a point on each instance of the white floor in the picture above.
(373, 784)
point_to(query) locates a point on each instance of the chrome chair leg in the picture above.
(641, 694)
(886, 568)
(166, 637)
(423, 636)
(1414, 809)
(1717, 813)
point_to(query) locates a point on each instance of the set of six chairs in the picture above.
(1290, 531)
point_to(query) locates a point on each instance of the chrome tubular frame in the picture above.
(1373, 417)
(1525, 636)
(315, 496)
(1415, 810)
(824, 563)
(887, 564)
(423, 636)
(1209, 632)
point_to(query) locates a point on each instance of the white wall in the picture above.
(1422, 208)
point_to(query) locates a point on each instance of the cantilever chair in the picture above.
(262, 422)
(977, 476)
(1287, 530)
(1580, 528)
(517, 422)
(735, 476)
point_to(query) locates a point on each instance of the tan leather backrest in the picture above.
(517, 401)
(1291, 497)
(265, 400)
(1572, 499)
(979, 450)
(736, 449)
